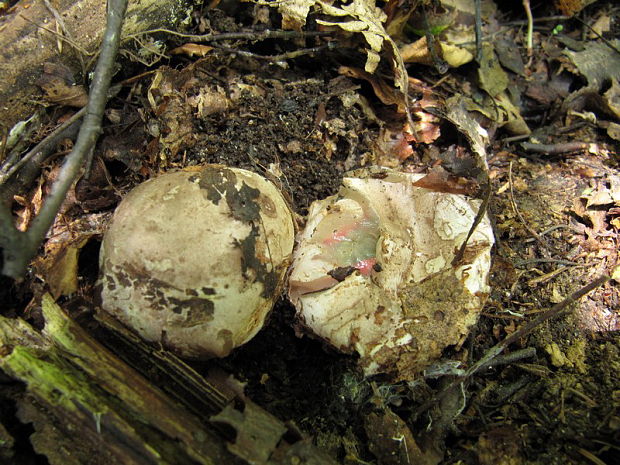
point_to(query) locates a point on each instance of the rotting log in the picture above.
(86, 403)
(30, 36)
(89, 406)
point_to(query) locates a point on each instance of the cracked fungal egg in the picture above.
(372, 272)
(195, 260)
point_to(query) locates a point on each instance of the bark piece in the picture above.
(84, 402)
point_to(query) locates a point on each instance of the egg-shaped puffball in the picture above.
(372, 272)
(195, 260)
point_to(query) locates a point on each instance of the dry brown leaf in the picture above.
(368, 20)
(439, 180)
(210, 100)
(612, 98)
(384, 91)
(391, 440)
(416, 52)
(476, 134)
(493, 79)
(426, 125)
(24, 214)
(30, 206)
(192, 50)
(60, 266)
(597, 62)
(613, 131)
(512, 119)
(392, 147)
(60, 88)
(600, 26)
(294, 12)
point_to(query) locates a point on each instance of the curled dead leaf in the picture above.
(59, 86)
(59, 267)
(439, 180)
(192, 50)
(384, 91)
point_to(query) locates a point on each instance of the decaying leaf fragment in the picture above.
(294, 12)
(385, 92)
(368, 19)
(59, 86)
(390, 439)
(60, 266)
(598, 63)
(417, 52)
(493, 79)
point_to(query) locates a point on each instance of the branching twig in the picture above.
(247, 35)
(281, 57)
(527, 328)
(523, 331)
(555, 149)
(17, 248)
(541, 19)
(42, 148)
(484, 206)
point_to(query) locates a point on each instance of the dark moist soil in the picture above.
(551, 408)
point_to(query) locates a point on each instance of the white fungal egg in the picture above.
(195, 260)
(372, 273)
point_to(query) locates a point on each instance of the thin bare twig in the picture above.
(281, 57)
(541, 19)
(486, 199)
(17, 248)
(555, 149)
(527, 328)
(252, 36)
(245, 35)
(512, 357)
(61, 24)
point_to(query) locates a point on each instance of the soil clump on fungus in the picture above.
(552, 397)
